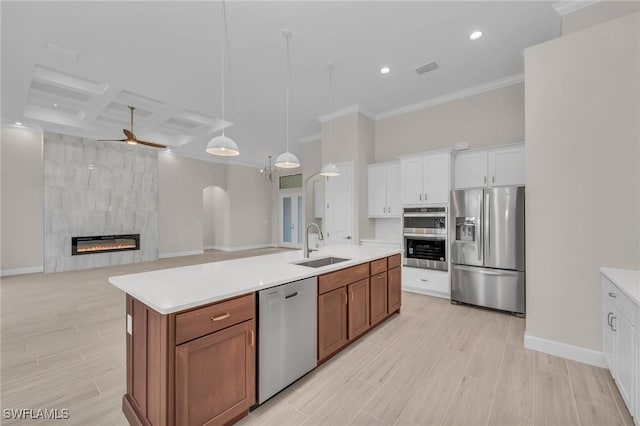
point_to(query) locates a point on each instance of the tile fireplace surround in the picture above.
(98, 188)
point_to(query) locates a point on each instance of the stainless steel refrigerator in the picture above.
(487, 248)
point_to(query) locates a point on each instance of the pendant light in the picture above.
(223, 145)
(330, 169)
(287, 160)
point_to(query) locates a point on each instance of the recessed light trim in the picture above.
(385, 70)
(18, 123)
(475, 35)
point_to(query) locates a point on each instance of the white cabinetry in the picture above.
(491, 167)
(318, 198)
(384, 190)
(621, 317)
(426, 281)
(425, 179)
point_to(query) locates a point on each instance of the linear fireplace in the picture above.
(104, 244)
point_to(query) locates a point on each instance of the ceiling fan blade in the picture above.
(112, 140)
(155, 145)
(128, 134)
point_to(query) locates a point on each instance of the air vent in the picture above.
(423, 69)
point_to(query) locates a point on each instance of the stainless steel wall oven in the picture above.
(425, 237)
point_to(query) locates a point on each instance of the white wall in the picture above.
(22, 200)
(597, 13)
(216, 225)
(582, 175)
(491, 118)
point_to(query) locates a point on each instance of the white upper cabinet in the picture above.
(491, 167)
(506, 166)
(425, 179)
(471, 169)
(384, 190)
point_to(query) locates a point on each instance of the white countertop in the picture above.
(176, 289)
(627, 280)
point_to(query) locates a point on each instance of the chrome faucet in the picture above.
(307, 250)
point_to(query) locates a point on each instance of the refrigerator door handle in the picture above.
(480, 230)
(484, 271)
(487, 226)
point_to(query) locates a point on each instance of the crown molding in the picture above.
(346, 111)
(310, 138)
(565, 7)
(469, 91)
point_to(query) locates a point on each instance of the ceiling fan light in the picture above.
(330, 170)
(132, 141)
(223, 146)
(287, 160)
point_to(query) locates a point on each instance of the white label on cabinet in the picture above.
(129, 325)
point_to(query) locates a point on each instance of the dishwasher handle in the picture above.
(289, 296)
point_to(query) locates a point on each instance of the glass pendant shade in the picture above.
(224, 146)
(287, 160)
(330, 170)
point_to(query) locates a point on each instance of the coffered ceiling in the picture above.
(73, 67)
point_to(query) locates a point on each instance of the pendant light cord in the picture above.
(330, 69)
(287, 36)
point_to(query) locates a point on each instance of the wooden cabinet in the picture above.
(490, 167)
(384, 190)
(358, 304)
(378, 297)
(332, 322)
(215, 376)
(195, 367)
(425, 179)
(394, 289)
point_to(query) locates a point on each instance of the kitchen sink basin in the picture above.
(323, 261)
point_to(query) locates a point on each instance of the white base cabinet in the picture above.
(426, 281)
(621, 343)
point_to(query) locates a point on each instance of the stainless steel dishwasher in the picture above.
(287, 335)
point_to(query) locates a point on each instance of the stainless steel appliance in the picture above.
(287, 335)
(425, 237)
(487, 248)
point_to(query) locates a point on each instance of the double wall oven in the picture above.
(425, 237)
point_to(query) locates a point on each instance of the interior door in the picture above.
(340, 202)
(291, 220)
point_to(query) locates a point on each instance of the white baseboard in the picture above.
(180, 253)
(564, 350)
(21, 271)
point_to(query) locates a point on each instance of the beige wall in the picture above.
(583, 184)
(491, 118)
(216, 210)
(180, 215)
(596, 14)
(22, 200)
(250, 208)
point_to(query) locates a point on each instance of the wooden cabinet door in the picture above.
(358, 308)
(411, 179)
(332, 322)
(436, 178)
(378, 297)
(394, 286)
(215, 376)
(471, 170)
(506, 166)
(377, 198)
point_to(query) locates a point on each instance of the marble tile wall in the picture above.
(98, 188)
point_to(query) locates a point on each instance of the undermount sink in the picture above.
(323, 261)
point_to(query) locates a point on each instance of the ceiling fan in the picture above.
(131, 138)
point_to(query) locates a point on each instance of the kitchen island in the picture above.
(191, 331)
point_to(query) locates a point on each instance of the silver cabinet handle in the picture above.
(424, 280)
(348, 237)
(388, 209)
(493, 179)
(609, 318)
(425, 196)
(487, 224)
(612, 295)
(613, 317)
(421, 197)
(384, 210)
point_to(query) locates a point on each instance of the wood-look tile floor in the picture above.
(63, 346)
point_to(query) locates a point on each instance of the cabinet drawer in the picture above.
(378, 266)
(620, 301)
(394, 261)
(200, 322)
(337, 279)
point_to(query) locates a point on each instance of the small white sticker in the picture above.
(129, 325)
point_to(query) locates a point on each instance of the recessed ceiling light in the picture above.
(385, 70)
(168, 150)
(18, 123)
(475, 35)
(55, 105)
